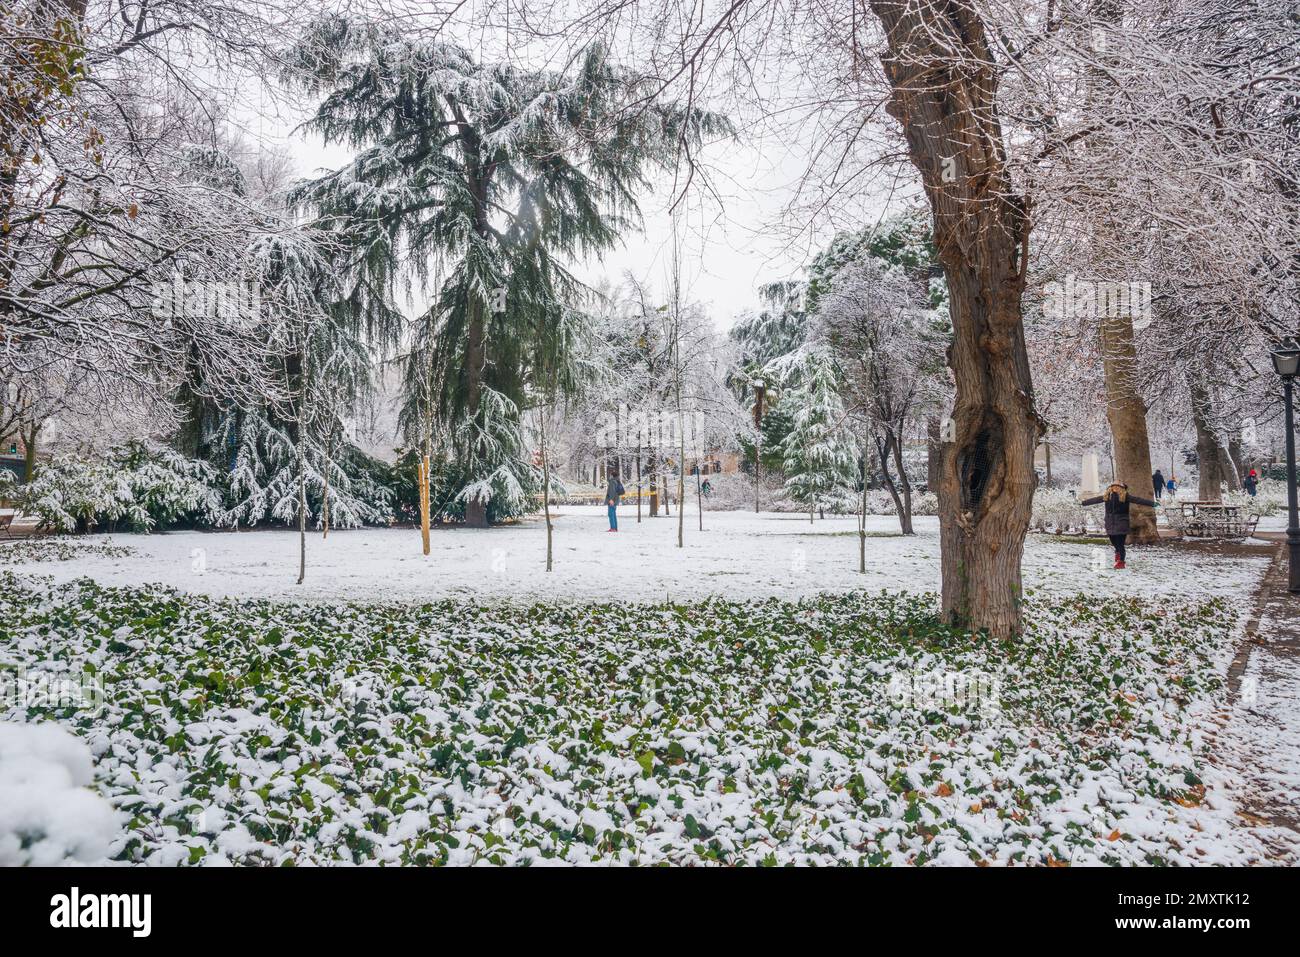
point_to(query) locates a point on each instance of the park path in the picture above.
(1260, 734)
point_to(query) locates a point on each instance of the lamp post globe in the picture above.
(1286, 359)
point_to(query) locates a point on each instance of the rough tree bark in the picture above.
(888, 446)
(1127, 415)
(30, 437)
(933, 452)
(1209, 466)
(939, 65)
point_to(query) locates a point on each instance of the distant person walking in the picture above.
(1157, 484)
(1117, 500)
(613, 492)
(1251, 483)
(1172, 487)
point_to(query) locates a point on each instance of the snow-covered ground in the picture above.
(737, 730)
(738, 555)
(847, 729)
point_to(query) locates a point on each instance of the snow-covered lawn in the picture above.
(739, 554)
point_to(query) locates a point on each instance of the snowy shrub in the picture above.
(55, 548)
(47, 815)
(1269, 499)
(736, 491)
(142, 485)
(925, 503)
(265, 473)
(1058, 510)
(8, 484)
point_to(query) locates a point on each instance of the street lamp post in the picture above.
(760, 393)
(1286, 363)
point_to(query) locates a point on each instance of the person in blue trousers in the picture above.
(613, 492)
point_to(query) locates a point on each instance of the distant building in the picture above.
(13, 457)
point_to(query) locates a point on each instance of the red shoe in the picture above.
(1119, 563)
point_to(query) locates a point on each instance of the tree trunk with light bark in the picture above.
(1127, 415)
(1209, 466)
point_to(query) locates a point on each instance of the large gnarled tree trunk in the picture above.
(939, 66)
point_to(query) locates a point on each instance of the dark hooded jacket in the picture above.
(1117, 518)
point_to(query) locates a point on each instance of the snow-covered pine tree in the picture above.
(768, 345)
(820, 456)
(493, 175)
(778, 329)
(299, 435)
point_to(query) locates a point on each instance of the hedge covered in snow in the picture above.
(144, 486)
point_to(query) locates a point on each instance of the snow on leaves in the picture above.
(766, 733)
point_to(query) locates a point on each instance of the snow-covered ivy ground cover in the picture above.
(766, 731)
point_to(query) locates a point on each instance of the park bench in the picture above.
(1212, 520)
(6, 520)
